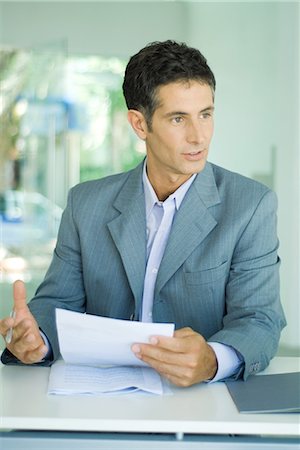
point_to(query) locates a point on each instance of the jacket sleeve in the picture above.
(254, 317)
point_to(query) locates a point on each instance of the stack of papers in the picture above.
(69, 379)
(97, 356)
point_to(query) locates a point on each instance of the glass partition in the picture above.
(62, 121)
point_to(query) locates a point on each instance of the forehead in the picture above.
(182, 94)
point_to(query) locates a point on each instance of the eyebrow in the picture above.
(183, 113)
(209, 108)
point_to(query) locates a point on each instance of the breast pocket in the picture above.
(208, 275)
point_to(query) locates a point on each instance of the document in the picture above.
(278, 393)
(96, 341)
(69, 379)
(97, 356)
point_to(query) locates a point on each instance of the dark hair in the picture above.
(157, 64)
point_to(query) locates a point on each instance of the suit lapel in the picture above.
(192, 223)
(128, 231)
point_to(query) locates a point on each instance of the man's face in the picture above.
(182, 126)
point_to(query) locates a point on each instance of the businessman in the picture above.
(177, 239)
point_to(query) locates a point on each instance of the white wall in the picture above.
(287, 181)
(105, 28)
(240, 43)
(253, 48)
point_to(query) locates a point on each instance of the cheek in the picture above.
(169, 142)
(166, 143)
(209, 132)
(174, 138)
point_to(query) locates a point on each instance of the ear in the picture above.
(138, 123)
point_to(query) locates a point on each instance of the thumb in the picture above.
(19, 293)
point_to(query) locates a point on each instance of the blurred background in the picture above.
(63, 117)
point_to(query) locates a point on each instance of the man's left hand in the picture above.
(183, 359)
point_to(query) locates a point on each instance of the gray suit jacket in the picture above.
(219, 273)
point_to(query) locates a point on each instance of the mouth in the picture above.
(194, 156)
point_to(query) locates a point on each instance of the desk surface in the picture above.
(201, 409)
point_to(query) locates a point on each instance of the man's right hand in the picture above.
(27, 343)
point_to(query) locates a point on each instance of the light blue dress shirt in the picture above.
(159, 219)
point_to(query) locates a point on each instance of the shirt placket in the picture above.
(155, 256)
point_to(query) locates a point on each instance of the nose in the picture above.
(195, 133)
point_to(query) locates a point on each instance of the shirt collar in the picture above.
(151, 197)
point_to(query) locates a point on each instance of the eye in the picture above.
(177, 119)
(206, 115)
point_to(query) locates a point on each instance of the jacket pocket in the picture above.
(207, 275)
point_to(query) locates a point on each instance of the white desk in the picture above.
(190, 414)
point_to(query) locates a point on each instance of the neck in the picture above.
(164, 188)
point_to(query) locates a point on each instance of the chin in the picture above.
(197, 167)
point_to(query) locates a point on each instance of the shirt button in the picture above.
(154, 270)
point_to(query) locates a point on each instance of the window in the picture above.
(63, 121)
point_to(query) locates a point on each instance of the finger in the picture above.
(155, 354)
(180, 375)
(179, 380)
(25, 328)
(161, 349)
(171, 344)
(28, 343)
(183, 370)
(185, 342)
(33, 356)
(5, 325)
(25, 339)
(19, 294)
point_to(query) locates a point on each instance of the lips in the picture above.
(194, 152)
(194, 156)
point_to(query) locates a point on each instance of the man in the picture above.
(176, 239)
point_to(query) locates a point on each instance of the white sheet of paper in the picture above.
(96, 341)
(69, 379)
